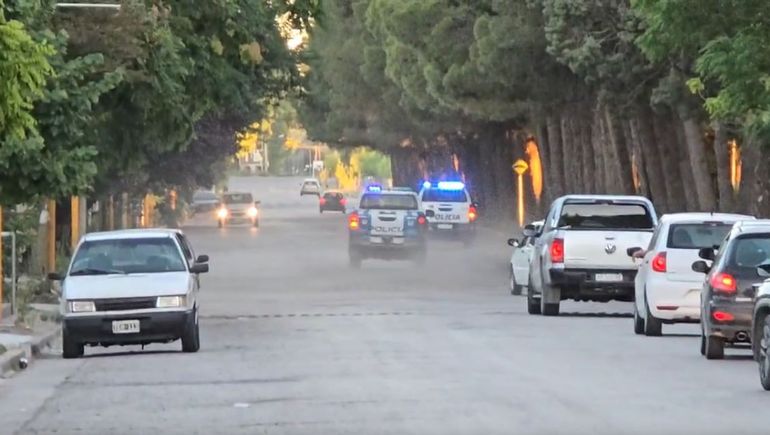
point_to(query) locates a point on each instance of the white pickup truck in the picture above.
(580, 253)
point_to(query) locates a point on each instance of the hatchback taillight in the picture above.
(659, 262)
(724, 283)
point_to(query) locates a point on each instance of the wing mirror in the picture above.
(632, 252)
(530, 231)
(199, 268)
(513, 242)
(430, 213)
(763, 270)
(202, 259)
(701, 266)
(707, 254)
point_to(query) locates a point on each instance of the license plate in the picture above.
(125, 326)
(608, 277)
(447, 217)
(444, 226)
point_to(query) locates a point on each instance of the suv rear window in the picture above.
(238, 198)
(600, 216)
(388, 202)
(437, 195)
(748, 252)
(329, 195)
(697, 236)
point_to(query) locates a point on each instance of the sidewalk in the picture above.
(20, 345)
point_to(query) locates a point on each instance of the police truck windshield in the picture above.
(376, 201)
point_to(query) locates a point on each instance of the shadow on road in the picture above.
(598, 315)
(130, 353)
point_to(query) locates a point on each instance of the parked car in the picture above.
(332, 201)
(131, 287)
(667, 289)
(520, 259)
(581, 253)
(760, 325)
(204, 201)
(727, 298)
(310, 186)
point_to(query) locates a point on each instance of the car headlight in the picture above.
(222, 213)
(253, 212)
(82, 306)
(170, 302)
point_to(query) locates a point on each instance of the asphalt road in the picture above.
(294, 342)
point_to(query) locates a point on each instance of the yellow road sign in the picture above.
(520, 166)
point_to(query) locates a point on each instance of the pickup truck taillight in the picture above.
(557, 251)
(472, 214)
(354, 222)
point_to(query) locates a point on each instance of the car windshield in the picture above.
(697, 235)
(238, 198)
(438, 195)
(123, 256)
(747, 252)
(616, 216)
(388, 202)
(203, 195)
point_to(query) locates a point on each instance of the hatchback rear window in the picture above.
(388, 202)
(437, 195)
(697, 236)
(601, 216)
(748, 252)
(330, 195)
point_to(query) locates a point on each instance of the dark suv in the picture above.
(727, 299)
(332, 201)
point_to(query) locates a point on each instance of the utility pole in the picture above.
(51, 257)
(74, 222)
(520, 167)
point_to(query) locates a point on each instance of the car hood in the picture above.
(126, 286)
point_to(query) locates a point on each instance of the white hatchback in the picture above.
(520, 259)
(667, 290)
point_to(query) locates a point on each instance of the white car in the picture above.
(520, 259)
(667, 290)
(310, 186)
(449, 209)
(131, 287)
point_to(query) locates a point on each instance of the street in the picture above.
(294, 341)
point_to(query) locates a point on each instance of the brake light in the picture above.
(724, 283)
(322, 201)
(343, 201)
(472, 214)
(659, 262)
(421, 220)
(721, 316)
(557, 251)
(354, 221)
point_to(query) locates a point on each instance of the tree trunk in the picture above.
(722, 157)
(642, 129)
(638, 158)
(543, 146)
(589, 181)
(601, 155)
(696, 148)
(555, 153)
(568, 153)
(620, 147)
(665, 137)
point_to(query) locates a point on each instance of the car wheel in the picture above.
(702, 343)
(653, 327)
(715, 347)
(764, 361)
(550, 309)
(533, 304)
(515, 288)
(70, 347)
(638, 322)
(320, 210)
(191, 337)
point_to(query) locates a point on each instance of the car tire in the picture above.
(715, 347)
(71, 348)
(763, 359)
(321, 211)
(549, 309)
(533, 305)
(638, 322)
(191, 340)
(653, 327)
(702, 343)
(515, 288)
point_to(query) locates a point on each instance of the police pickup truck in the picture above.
(387, 225)
(447, 206)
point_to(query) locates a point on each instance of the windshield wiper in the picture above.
(93, 271)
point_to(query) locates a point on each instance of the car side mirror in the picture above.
(202, 259)
(530, 231)
(55, 276)
(631, 252)
(430, 213)
(513, 242)
(763, 270)
(707, 254)
(701, 266)
(199, 268)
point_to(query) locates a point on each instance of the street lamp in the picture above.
(520, 167)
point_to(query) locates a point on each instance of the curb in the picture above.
(11, 361)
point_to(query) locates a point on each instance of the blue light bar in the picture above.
(451, 185)
(426, 185)
(374, 188)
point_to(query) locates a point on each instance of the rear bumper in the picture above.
(157, 327)
(674, 301)
(332, 207)
(581, 284)
(742, 311)
(364, 248)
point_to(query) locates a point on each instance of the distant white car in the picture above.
(310, 186)
(667, 290)
(520, 259)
